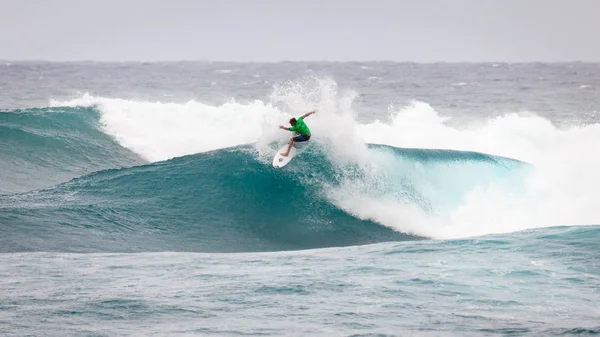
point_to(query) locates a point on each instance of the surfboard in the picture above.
(280, 161)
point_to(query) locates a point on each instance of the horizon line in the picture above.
(287, 61)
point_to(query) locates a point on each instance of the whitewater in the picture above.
(440, 199)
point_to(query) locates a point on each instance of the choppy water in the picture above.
(433, 199)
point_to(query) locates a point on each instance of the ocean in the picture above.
(446, 199)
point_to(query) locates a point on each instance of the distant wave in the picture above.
(45, 146)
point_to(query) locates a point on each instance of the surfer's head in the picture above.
(293, 121)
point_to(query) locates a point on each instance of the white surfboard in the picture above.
(280, 161)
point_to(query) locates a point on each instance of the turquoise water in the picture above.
(147, 208)
(45, 146)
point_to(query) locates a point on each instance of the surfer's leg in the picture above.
(285, 154)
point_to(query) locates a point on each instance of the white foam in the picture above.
(521, 136)
(159, 131)
(561, 190)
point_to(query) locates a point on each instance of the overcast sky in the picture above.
(276, 30)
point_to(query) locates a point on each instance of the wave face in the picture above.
(218, 201)
(225, 201)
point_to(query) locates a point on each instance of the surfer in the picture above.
(300, 128)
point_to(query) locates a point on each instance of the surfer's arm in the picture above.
(308, 113)
(284, 128)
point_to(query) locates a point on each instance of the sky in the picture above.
(301, 30)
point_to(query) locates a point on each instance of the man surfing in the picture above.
(300, 128)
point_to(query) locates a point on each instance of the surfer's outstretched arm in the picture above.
(309, 113)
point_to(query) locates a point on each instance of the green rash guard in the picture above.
(300, 127)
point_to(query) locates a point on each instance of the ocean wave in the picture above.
(455, 198)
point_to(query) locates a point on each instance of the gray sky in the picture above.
(276, 30)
